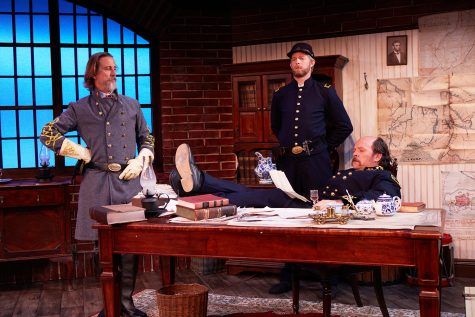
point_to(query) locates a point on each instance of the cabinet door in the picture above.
(270, 84)
(32, 232)
(247, 101)
(33, 221)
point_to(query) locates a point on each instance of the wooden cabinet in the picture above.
(253, 88)
(252, 98)
(34, 220)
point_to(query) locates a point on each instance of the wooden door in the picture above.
(270, 84)
(247, 101)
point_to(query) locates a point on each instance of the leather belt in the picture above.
(107, 167)
(307, 146)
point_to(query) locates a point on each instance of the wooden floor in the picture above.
(83, 297)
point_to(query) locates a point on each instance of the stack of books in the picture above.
(202, 207)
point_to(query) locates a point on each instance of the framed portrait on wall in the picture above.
(397, 50)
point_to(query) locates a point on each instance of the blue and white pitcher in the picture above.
(264, 166)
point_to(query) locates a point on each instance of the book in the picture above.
(112, 214)
(412, 206)
(206, 213)
(282, 182)
(202, 201)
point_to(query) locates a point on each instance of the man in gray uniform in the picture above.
(112, 126)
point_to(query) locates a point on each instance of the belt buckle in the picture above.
(114, 167)
(297, 149)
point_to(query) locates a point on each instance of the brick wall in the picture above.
(195, 96)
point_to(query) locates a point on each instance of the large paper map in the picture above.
(428, 119)
(458, 199)
(447, 43)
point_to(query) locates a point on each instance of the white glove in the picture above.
(74, 150)
(135, 165)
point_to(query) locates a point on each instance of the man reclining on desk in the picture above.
(372, 175)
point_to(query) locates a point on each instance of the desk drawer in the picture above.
(31, 197)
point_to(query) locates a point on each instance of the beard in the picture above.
(301, 72)
(111, 85)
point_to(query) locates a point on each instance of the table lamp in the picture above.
(44, 172)
(150, 201)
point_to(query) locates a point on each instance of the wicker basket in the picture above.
(182, 300)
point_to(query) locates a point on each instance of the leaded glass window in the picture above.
(41, 70)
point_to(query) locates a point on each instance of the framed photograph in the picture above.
(397, 50)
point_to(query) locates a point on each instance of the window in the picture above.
(41, 70)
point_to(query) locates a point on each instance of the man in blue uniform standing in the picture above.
(113, 127)
(309, 121)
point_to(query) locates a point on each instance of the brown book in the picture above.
(202, 201)
(206, 213)
(412, 206)
(112, 214)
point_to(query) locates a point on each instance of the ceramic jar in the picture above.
(386, 205)
(365, 210)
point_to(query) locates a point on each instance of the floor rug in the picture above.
(234, 306)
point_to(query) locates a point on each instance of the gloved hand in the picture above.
(74, 150)
(135, 165)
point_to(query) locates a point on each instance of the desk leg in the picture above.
(295, 287)
(427, 252)
(109, 275)
(167, 268)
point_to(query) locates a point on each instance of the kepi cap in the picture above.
(301, 47)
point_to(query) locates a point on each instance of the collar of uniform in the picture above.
(101, 94)
(307, 83)
(374, 168)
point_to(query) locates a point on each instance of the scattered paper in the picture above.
(282, 182)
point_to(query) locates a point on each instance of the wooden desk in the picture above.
(413, 248)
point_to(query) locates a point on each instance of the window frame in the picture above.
(57, 106)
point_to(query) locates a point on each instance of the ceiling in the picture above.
(147, 17)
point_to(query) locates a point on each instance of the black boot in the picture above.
(285, 282)
(190, 175)
(128, 266)
(175, 182)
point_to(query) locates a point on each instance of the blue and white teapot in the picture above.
(264, 166)
(386, 205)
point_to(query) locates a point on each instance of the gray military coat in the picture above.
(113, 136)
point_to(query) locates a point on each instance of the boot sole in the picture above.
(182, 162)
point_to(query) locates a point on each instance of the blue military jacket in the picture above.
(361, 184)
(305, 113)
(112, 132)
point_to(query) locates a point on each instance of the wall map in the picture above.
(428, 119)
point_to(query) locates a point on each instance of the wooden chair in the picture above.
(349, 272)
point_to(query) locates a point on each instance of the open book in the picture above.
(281, 181)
